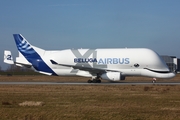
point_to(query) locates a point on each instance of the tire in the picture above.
(89, 81)
(94, 81)
(98, 81)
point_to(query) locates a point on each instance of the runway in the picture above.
(84, 83)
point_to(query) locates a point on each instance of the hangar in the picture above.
(172, 62)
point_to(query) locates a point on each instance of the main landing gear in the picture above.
(94, 81)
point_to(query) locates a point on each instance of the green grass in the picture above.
(90, 102)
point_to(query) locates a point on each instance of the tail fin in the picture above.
(25, 48)
(33, 55)
(8, 57)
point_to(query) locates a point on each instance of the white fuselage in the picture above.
(129, 62)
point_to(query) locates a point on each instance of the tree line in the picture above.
(15, 70)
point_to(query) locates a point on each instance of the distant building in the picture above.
(172, 62)
(178, 65)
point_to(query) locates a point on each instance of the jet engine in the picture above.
(113, 76)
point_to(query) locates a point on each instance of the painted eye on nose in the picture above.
(136, 65)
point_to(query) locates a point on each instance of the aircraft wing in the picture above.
(84, 68)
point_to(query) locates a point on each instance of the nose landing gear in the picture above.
(154, 80)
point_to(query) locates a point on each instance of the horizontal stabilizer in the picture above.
(46, 73)
(23, 65)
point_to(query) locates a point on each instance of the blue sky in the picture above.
(61, 24)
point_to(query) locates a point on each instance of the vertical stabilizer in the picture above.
(33, 55)
(25, 48)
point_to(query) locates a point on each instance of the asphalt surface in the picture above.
(84, 83)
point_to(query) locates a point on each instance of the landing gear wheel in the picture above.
(89, 81)
(154, 81)
(94, 81)
(98, 81)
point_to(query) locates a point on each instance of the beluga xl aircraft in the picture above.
(98, 64)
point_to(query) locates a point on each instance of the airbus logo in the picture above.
(102, 61)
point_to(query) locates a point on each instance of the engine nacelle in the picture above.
(113, 76)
